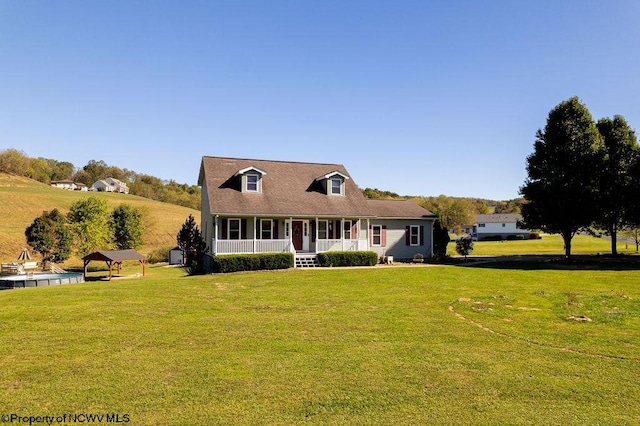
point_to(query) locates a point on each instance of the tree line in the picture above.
(89, 226)
(46, 170)
(583, 175)
(453, 212)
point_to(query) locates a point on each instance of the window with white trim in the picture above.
(481, 225)
(376, 235)
(286, 229)
(253, 183)
(414, 235)
(337, 186)
(322, 230)
(233, 231)
(266, 229)
(347, 230)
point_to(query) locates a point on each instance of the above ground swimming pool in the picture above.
(39, 280)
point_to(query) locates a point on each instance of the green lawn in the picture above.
(548, 245)
(407, 345)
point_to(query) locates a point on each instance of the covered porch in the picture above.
(236, 235)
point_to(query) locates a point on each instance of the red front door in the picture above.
(296, 228)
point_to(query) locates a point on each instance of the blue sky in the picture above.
(415, 97)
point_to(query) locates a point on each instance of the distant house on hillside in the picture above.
(64, 184)
(110, 185)
(503, 225)
(69, 185)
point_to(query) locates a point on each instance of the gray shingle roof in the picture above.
(290, 189)
(397, 209)
(114, 255)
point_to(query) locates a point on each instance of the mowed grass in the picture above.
(388, 345)
(548, 245)
(22, 200)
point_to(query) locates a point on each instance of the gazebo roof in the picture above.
(114, 255)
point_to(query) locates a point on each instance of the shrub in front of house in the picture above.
(515, 237)
(534, 236)
(348, 258)
(252, 262)
(492, 238)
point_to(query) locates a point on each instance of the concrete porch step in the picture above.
(306, 260)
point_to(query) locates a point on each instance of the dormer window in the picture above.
(337, 186)
(252, 183)
(333, 183)
(250, 179)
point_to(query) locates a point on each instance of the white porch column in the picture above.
(214, 244)
(317, 226)
(254, 234)
(291, 234)
(367, 234)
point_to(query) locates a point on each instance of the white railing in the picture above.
(276, 246)
(271, 246)
(250, 246)
(328, 245)
(343, 245)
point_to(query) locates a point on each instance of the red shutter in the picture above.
(354, 228)
(421, 235)
(383, 238)
(223, 224)
(407, 236)
(243, 229)
(275, 229)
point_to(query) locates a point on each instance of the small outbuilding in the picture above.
(114, 257)
(176, 256)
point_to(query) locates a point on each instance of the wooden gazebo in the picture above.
(114, 257)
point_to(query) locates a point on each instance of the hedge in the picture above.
(515, 237)
(252, 262)
(492, 238)
(348, 258)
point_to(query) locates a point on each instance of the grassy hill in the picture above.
(22, 200)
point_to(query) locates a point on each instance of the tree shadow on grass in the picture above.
(574, 263)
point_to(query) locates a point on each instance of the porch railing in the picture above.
(343, 245)
(250, 246)
(275, 246)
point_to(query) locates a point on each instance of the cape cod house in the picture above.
(110, 185)
(257, 206)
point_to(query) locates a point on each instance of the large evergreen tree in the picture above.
(191, 243)
(562, 187)
(617, 184)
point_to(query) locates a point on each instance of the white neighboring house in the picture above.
(110, 185)
(64, 184)
(69, 185)
(503, 225)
